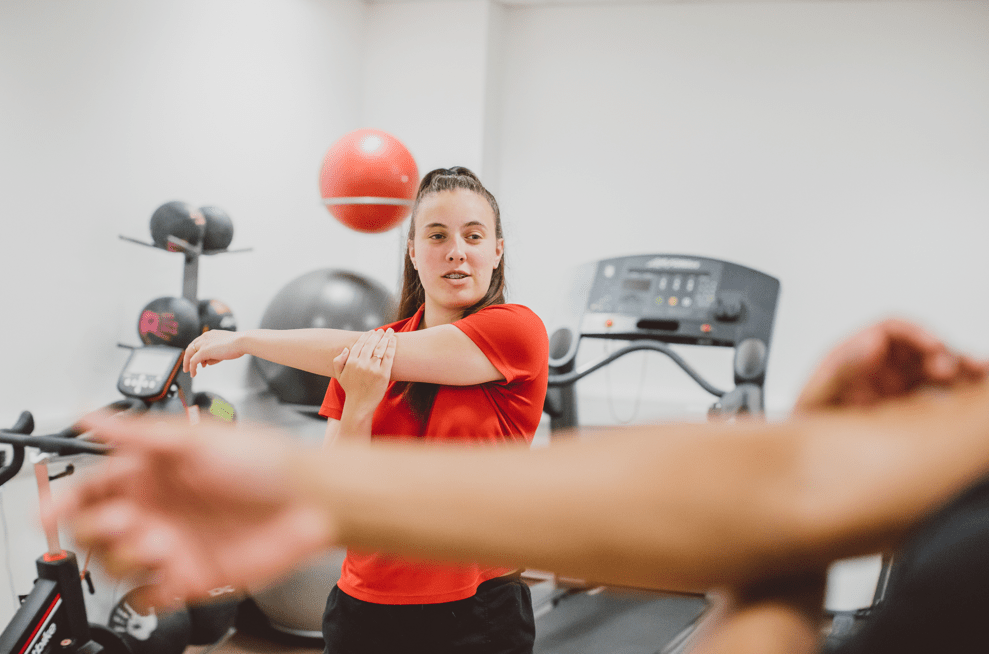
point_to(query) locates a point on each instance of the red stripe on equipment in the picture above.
(34, 634)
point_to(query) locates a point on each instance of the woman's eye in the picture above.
(435, 237)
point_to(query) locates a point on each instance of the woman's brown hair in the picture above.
(420, 395)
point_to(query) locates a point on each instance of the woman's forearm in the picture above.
(442, 355)
(355, 424)
(312, 350)
(682, 507)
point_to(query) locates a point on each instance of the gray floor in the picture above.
(615, 622)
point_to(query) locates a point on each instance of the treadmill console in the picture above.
(656, 299)
(679, 299)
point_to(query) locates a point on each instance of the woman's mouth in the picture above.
(455, 275)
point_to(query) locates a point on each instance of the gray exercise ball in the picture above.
(322, 298)
(294, 604)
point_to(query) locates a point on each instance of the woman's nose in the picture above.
(456, 252)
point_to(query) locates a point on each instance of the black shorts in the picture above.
(497, 619)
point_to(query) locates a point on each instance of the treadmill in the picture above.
(649, 302)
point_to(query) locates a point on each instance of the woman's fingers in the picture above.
(371, 346)
(193, 357)
(363, 345)
(340, 362)
(381, 347)
(388, 353)
(195, 354)
(209, 348)
(190, 352)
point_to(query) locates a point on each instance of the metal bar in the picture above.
(190, 277)
(44, 501)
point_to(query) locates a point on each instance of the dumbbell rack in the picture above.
(190, 287)
(190, 275)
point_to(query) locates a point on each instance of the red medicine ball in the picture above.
(368, 180)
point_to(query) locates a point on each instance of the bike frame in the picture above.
(52, 618)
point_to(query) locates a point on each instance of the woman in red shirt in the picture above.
(460, 365)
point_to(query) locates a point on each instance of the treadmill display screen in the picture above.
(636, 284)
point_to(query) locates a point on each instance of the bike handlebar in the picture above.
(61, 443)
(24, 426)
(53, 443)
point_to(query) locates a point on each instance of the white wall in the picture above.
(841, 147)
(423, 78)
(837, 146)
(112, 108)
(109, 109)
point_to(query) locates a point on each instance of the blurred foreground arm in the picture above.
(757, 509)
(887, 361)
(679, 507)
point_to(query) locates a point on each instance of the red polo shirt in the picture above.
(514, 340)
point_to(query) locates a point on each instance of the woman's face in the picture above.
(455, 250)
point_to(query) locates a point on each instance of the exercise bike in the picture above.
(52, 618)
(651, 302)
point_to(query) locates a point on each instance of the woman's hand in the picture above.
(212, 347)
(364, 371)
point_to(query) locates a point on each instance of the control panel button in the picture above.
(728, 310)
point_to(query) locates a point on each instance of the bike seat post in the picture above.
(44, 501)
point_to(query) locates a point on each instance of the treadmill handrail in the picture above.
(571, 377)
